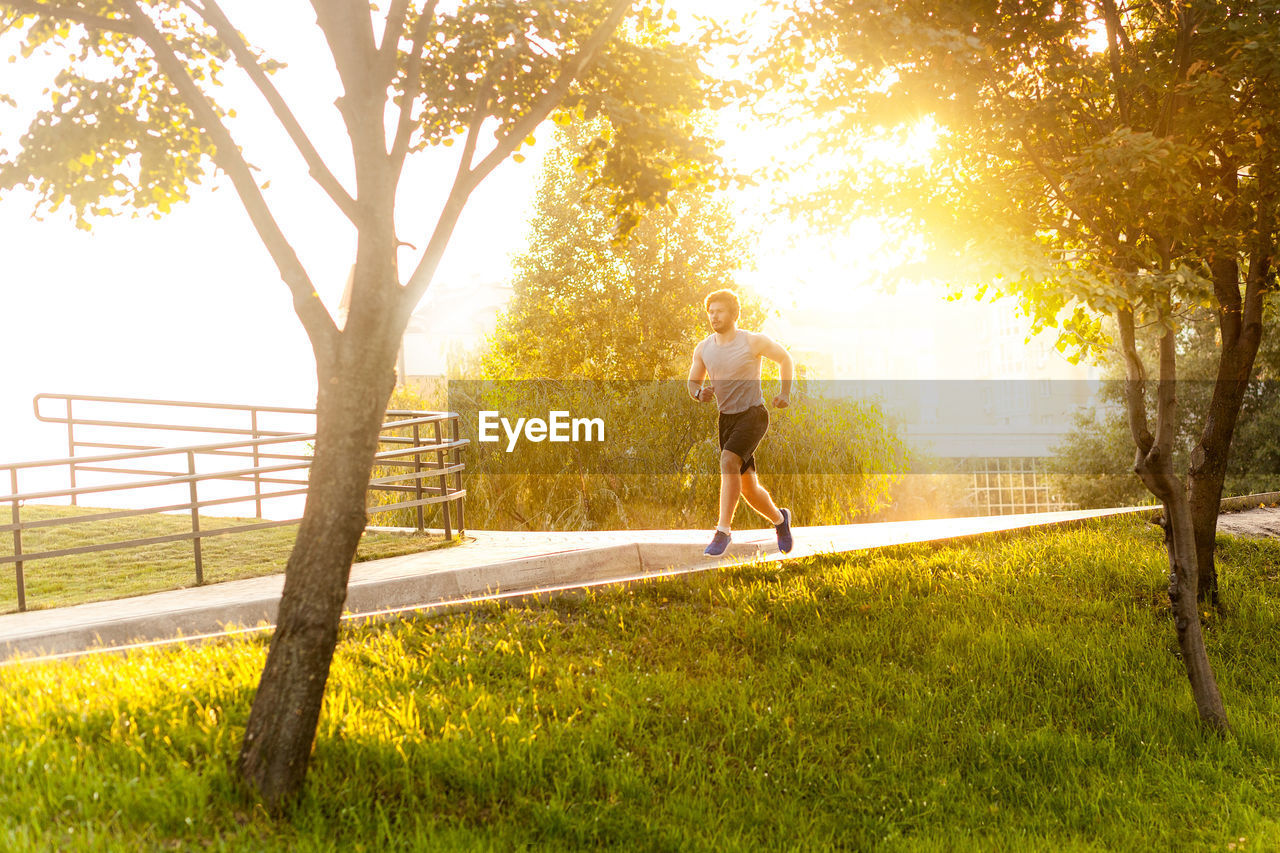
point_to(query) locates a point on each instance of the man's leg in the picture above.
(730, 487)
(757, 497)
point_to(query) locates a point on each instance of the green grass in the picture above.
(1008, 693)
(80, 578)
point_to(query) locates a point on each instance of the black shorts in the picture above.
(741, 433)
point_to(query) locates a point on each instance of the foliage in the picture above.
(588, 305)
(956, 697)
(437, 74)
(1080, 193)
(1135, 182)
(113, 137)
(628, 98)
(1093, 466)
(831, 462)
(116, 135)
(605, 327)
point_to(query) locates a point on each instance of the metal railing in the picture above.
(254, 415)
(416, 469)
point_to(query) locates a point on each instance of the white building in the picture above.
(450, 324)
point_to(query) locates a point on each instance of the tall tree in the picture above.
(133, 121)
(588, 305)
(608, 321)
(1096, 160)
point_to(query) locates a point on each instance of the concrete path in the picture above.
(489, 564)
(1260, 521)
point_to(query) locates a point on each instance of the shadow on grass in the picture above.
(1015, 693)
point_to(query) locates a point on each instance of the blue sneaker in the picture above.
(784, 532)
(718, 543)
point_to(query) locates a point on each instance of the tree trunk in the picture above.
(1240, 331)
(1204, 506)
(277, 744)
(1181, 544)
(1154, 465)
(1208, 468)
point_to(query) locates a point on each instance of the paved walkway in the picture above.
(489, 564)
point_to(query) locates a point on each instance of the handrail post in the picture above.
(257, 477)
(457, 475)
(444, 481)
(71, 450)
(195, 518)
(422, 468)
(417, 470)
(17, 542)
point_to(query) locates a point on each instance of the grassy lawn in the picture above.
(80, 578)
(1007, 693)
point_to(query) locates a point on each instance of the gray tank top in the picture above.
(734, 373)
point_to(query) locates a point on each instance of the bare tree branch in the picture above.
(480, 112)
(467, 178)
(1135, 383)
(1225, 273)
(75, 14)
(1166, 389)
(1187, 23)
(348, 29)
(412, 87)
(478, 115)
(1116, 41)
(390, 44)
(306, 302)
(319, 171)
(1261, 277)
(553, 96)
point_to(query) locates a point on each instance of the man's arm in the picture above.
(772, 350)
(697, 373)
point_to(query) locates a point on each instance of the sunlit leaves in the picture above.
(492, 60)
(640, 299)
(108, 146)
(114, 136)
(648, 96)
(1080, 184)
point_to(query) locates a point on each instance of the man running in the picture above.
(731, 358)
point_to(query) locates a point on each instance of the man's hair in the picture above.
(727, 296)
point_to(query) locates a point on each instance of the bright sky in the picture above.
(191, 307)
